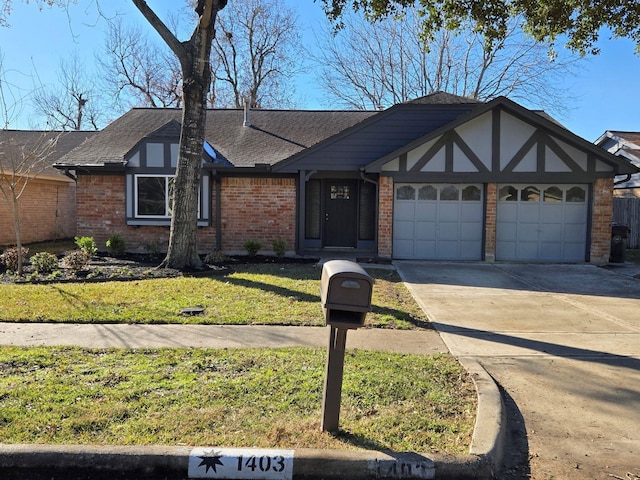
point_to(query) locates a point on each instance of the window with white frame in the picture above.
(153, 196)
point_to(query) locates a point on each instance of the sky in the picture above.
(606, 88)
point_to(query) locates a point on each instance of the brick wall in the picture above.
(601, 220)
(490, 223)
(102, 213)
(47, 212)
(385, 217)
(260, 209)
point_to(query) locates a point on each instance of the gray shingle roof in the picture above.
(274, 135)
(19, 142)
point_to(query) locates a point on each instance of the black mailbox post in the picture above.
(345, 294)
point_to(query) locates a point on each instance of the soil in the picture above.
(103, 268)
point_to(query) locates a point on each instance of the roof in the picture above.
(52, 145)
(624, 145)
(534, 117)
(273, 135)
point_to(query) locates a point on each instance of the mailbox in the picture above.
(345, 293)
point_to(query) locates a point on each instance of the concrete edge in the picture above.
(490, 429)
(69, 462)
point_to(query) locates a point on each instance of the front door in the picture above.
(340, 213)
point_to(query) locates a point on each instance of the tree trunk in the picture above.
(194, 56)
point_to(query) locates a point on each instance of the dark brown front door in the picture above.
(340, 213)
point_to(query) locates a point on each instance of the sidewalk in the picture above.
(69, 462)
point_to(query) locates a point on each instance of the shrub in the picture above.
(154, 247)
(252, 247)
(9, 258)
(76, 260)
(116, 245)
(87, 245)
(215, 257)
(279, 246)
(44, 262)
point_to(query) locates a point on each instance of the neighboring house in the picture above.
(442, 177)
(627, 146)
(48, 204)
(626, 189)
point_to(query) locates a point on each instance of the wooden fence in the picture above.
(626, 211)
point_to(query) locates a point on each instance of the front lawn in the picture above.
(266, 294)
(235, 398)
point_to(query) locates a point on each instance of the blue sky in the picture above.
(606, 86)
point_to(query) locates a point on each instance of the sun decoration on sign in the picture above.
(210, 460)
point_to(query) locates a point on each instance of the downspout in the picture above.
(67, 173)
(218, 213)
(368, 180)
(628, 177)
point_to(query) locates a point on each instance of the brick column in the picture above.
(601, 221)
(385, 217)
(490, 223)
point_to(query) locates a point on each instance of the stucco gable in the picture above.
(500, 137)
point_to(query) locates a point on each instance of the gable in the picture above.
(501, 143)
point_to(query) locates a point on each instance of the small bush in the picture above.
(76, 260)
(9, 257)
(87, 245)
(116, 245)
(154, 247)
(279, 246)
(215, 257)
(252, 247)
(44, 262)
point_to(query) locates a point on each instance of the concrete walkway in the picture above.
(564, 343)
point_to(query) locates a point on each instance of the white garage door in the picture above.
(437, 221)
(542, 223)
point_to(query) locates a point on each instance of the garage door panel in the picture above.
(425, 249)
(425, 231)
(550, 251)
(448, 231)
(403, 230)
(426, 211)
(539, 230)
(440, 229)
(405, 211)
(551, 233)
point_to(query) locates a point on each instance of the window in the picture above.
(449, 193)
(153, 195)
(530, 194)
(406, 193)
(428, 192)
(471, 194)
(340, 192)
(508, 194)
(576, 194)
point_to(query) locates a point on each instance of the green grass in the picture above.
(278, 294)
(244, 398)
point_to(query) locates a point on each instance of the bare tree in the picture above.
(377, 65)
(20, 161)
(139, 72)
(256, 52)
(72, 105)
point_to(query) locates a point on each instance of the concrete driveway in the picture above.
(563, 341)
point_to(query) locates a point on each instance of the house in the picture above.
(627, 146)
(626, 188)
(441, 177)
(47, 204)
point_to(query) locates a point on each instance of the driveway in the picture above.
(563, 341)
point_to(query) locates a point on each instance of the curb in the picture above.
(75, 462)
